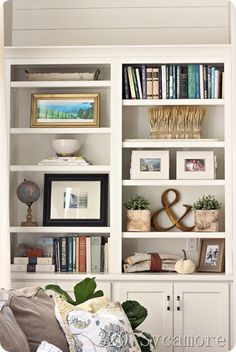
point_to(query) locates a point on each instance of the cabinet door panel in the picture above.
(202, 323)
(152, 296)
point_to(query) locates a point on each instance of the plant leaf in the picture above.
(135, 313)
(84, 290)
(97, 294)
(63, 294)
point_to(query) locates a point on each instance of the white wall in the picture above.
(106, 22)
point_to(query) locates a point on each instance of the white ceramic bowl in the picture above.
(65, 147)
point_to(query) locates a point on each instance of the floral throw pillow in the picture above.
(107, 330)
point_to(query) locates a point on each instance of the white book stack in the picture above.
(33, 264)
(69, 161)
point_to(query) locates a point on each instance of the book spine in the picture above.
(82, 254)
(174, 82)
(57, 254)
(155, 83)
(135, 82)
(183, 82)
(171, 81)
(21, 260)
(201, 81)
(106, 269)
(208, 81)
(88, 254)
(44, 268)
(69, 254)
(197, 81)
(31, 268)
(212, 82)
(163, 81)
(19, 267)
(131, 82)
(77, 254)
(144, 81)
(126, 93)
(177, 81)
(205, 81)
(217, 83)
(167, 82)
(191, 81)
(149, 82)
(74, 253)
(139, 83)
(160, 82)
(96, 254)
(63, 254)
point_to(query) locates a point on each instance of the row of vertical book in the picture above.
(191, 81)
(67, 254)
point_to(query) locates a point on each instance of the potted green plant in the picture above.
(206, 214)
(136, 313)
(138, 214)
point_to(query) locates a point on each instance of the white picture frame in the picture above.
(149, 165)
(195, 165)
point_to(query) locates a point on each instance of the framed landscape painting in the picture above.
(64, 110)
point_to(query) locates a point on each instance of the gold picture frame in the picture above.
(65, 110)
(211, 255)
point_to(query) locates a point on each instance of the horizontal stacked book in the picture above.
(192, 81)
(68, 254)
(69, 161)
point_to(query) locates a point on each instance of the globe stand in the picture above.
(29, 218)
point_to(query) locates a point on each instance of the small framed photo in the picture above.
(75, 200)
(64, 110)
(149, 164)
(192, 165)
(211, 256)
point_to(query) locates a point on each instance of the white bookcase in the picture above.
(123, 128)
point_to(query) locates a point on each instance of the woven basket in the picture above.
(176, 122)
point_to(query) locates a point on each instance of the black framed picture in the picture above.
(75, 200)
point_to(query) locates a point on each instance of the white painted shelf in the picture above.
(173, 183)
(59, 229)
(59, 84)
(151, 102)
(61, 168)
(173, 143)
(43, 131)
(170, 234)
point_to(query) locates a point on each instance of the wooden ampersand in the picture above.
(171, 215)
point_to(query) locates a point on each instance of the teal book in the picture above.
(96, 254)
(191, 81)
(70, 254)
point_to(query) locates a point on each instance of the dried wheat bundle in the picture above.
(176, 121)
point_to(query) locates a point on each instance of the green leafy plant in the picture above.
(83, 291)
(138, 203)
(136, 313)
(207, 202)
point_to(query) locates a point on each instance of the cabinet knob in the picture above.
(178, 302)
(168, 302)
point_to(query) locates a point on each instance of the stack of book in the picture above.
(192, 81)
(67, 254)
(33, 264)
(70, 161)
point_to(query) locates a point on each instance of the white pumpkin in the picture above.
(185, 266)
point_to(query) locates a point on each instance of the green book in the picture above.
(192, 81)
(96, 254)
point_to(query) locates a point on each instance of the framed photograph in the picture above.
(192, 165)
(75, 200)
(64, 110)
(211, 256)
(149, 164)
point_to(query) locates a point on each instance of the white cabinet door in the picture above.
(201, 317)
(152, 296)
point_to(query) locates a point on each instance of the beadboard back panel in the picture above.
(124, 22)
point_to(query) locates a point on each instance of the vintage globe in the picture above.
(28, 192)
